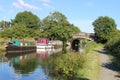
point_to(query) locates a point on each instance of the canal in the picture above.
(25, 66)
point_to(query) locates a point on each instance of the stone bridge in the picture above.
(79, 39)
(82, 35)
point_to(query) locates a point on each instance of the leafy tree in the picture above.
(34, 33)
(73, 29)
(114, 48)
(6, 33)
(4, 24)
(27, 18)
(19, 31)
(56, 27)
(103, 27)
(113, 43)
(56, 20)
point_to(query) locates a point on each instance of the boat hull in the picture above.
(20, 49)
(44, 46)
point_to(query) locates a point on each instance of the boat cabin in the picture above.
(22, 42)
(42, 41)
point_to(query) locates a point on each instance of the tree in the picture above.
(27, 18)
(4, 24)
(113, 45)
(57, 19)
(103, 27)
(6, 33)
(19, 31)
(56, 27)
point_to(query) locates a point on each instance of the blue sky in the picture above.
(81, 13)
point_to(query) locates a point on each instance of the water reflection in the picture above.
(44, 53)
(25, 66)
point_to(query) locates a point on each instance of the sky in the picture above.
(81, 13)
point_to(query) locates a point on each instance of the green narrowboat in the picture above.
(19, 46)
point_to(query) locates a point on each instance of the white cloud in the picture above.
(48, 6)
(21, 4)
(17, 5)
(45, 1)
(84, 25)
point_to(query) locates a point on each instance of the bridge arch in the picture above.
(79, 43)
(80, 40)
(75, 44)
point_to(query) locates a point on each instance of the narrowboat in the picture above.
(44, 43)
(20, 46)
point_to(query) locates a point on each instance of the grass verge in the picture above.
(91, 70)
(2, 45)
(74, 65)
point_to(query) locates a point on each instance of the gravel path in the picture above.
(107, 70)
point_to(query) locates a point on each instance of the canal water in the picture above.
(25, 66)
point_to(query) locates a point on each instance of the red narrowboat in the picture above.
(44, 43)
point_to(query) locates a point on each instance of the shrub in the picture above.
(113, 45)
(65, 65)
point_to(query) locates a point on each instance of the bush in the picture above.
(113, 45)
(115, 49)
(90, 46)
(65, 65)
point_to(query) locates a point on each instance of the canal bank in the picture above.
(2, 50)
(3, 44)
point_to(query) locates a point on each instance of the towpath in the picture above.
(107, 69)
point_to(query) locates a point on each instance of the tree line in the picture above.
(28, 25)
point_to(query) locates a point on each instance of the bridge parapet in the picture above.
(88, 36)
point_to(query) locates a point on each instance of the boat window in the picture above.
(41, 40)
(14, 42)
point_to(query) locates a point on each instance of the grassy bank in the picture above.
(2, 45)
(2, 48)
(75, 65)
(91, 70)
